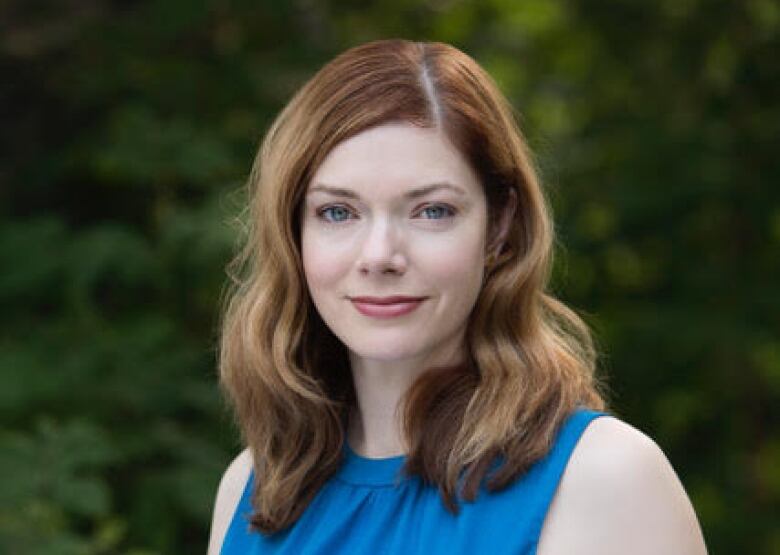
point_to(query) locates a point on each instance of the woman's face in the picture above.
(395, 210)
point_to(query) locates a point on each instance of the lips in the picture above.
(387, 300)
(386, 307)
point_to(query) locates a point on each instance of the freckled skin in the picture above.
(385, 244)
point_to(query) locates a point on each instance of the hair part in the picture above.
(530, 359)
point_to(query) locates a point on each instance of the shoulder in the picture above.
(619, 494)
(231, 486)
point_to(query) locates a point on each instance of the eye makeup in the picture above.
(448, 211)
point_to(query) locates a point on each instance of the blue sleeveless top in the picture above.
(369, 507)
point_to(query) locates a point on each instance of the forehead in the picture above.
(394, 159)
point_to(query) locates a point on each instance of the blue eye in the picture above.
(443, 210)
(335, 210)
(339, 213)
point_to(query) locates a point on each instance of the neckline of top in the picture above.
(363, 471)
(386, 471)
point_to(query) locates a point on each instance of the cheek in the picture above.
(323, 265)
(460, 270)
(456, 266)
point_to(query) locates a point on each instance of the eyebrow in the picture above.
(414, 193)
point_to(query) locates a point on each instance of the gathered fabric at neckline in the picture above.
(363, 471)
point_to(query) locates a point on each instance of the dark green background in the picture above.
(128, 129)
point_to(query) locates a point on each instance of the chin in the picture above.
(384, 351)
(380, 354)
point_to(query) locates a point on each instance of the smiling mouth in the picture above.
(394, 299)
(387, 307)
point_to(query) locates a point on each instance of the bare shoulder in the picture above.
(231, 486)
(619, 494)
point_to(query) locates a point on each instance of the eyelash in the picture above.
(323, 210)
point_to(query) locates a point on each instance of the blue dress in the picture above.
(369, 507)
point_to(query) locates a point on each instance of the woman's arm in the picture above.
(231, 486)
(619, 494)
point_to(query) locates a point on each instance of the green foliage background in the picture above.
(129, 126)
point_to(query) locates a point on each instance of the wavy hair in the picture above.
(531, 360)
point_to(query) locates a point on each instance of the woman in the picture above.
(403, 381)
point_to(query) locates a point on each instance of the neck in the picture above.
(375, 424)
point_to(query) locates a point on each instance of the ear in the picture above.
(500, 227)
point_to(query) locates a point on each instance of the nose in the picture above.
(382, 249)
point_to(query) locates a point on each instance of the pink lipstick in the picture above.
(386, 307)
